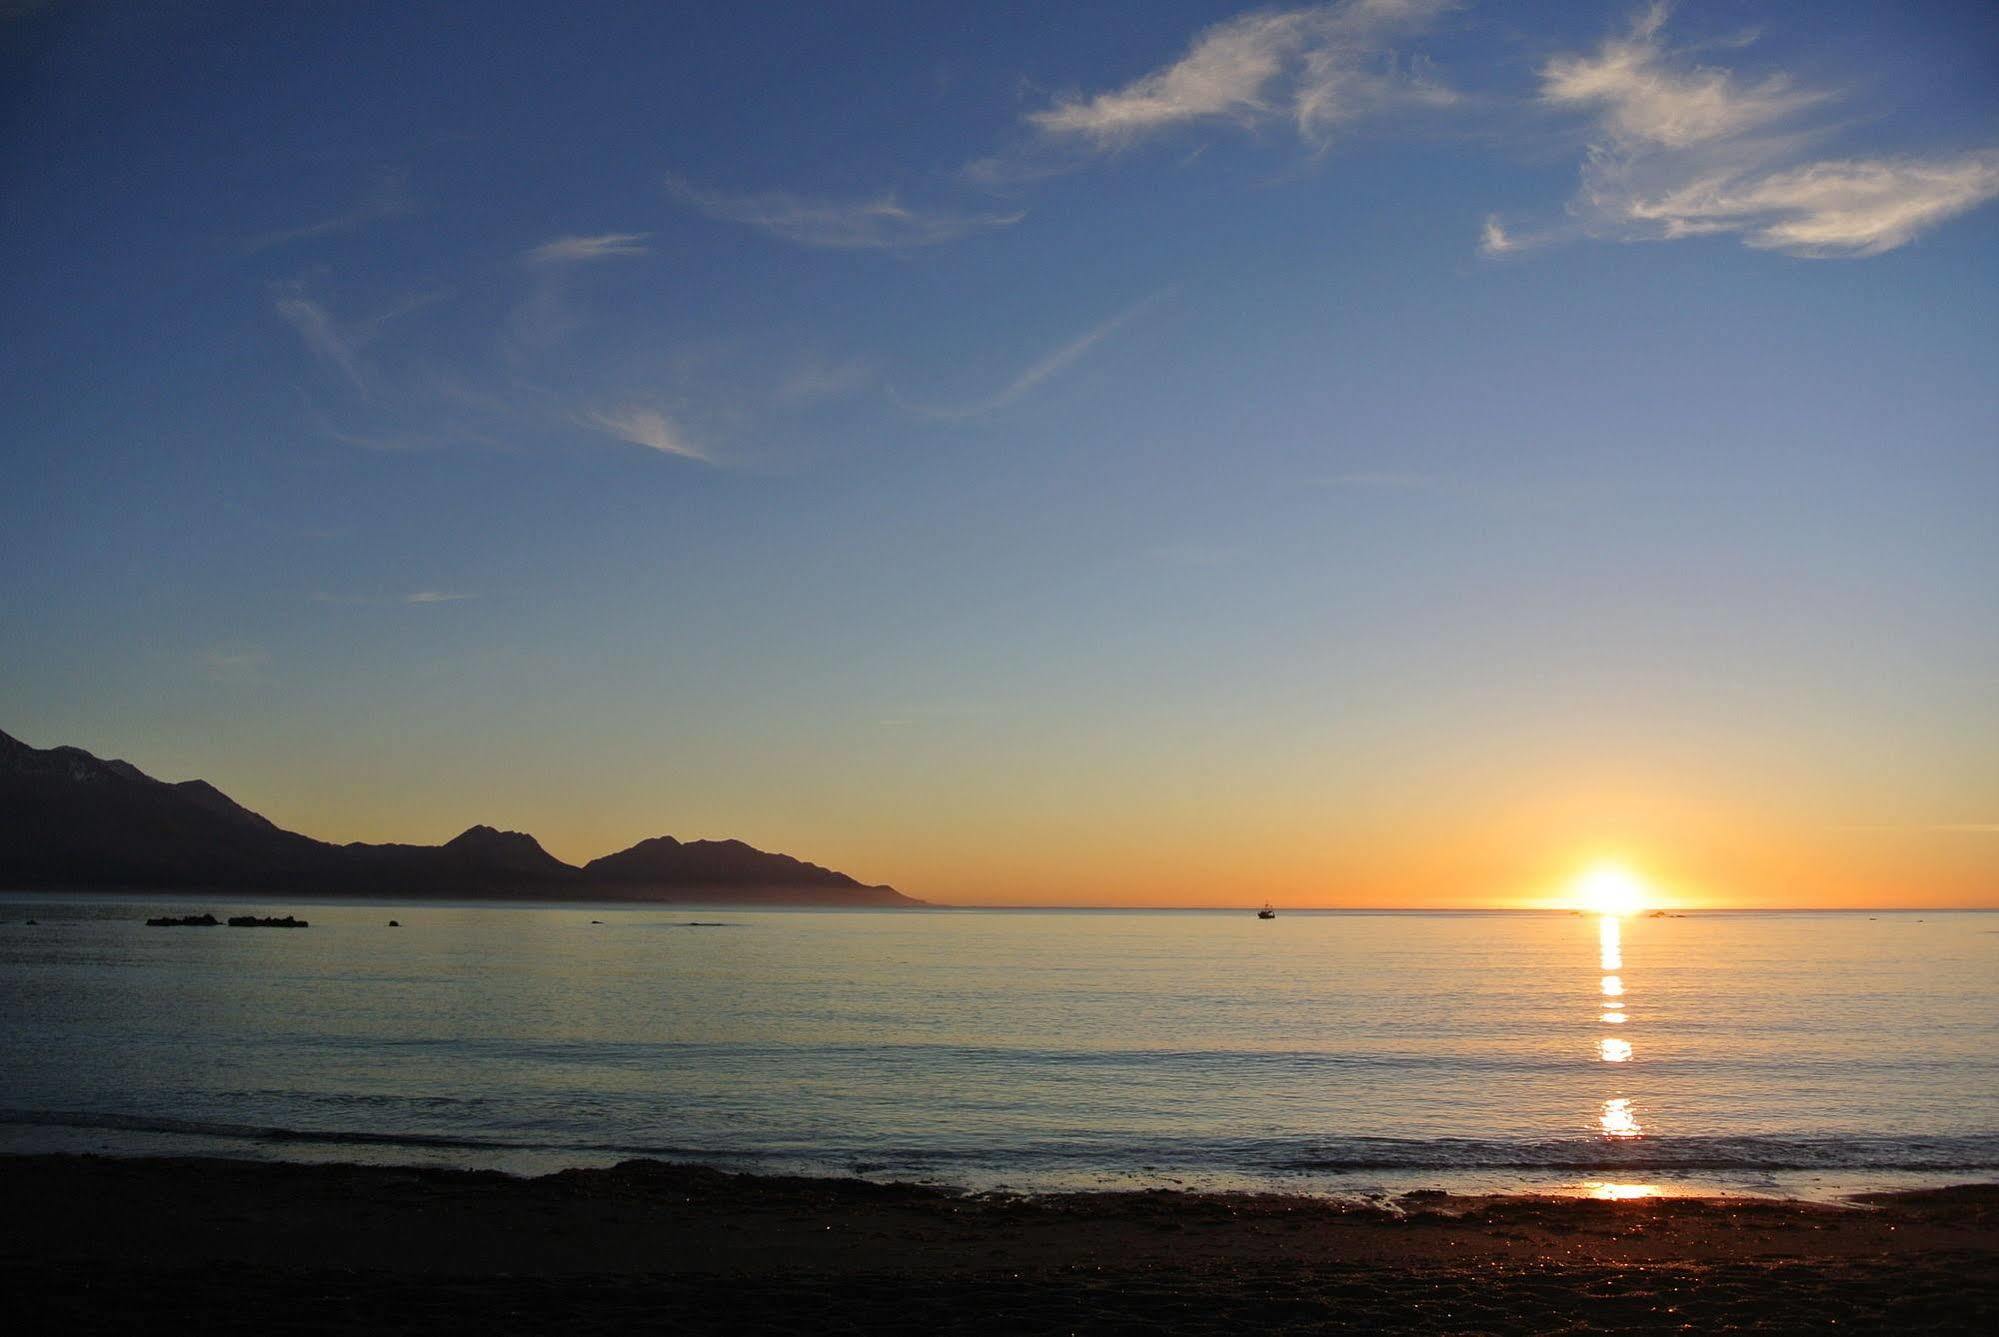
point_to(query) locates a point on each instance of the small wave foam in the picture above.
(1276, 1156)
(1654, 1154)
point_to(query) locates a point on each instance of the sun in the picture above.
(1609, 889)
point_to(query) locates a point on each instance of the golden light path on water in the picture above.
(1617, 1119)
(1609, 1192)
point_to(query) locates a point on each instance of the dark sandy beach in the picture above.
(99, 1245)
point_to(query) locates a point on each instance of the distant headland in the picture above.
(70, 821)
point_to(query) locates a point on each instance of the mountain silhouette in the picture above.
(711, 863)
(70, 821)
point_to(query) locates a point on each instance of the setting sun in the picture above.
(1610, 889)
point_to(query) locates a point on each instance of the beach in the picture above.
(97, 1244)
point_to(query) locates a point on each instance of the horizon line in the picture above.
(1668, 911)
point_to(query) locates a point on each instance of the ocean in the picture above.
(1354, 1053)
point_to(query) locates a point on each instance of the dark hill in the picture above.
(68, 819)
(726, 866)
(72, 821)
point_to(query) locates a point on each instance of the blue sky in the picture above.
(1368, 451)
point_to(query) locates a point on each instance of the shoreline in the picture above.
(32, 1134)
(96, 1243)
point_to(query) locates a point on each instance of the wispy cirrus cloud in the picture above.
(1648, 96)
(339, 344)
(388, 196)
(1317, 67)
(1494, 239)
(645, 426)
(577, 250)
(323, 337)
(1850, 207)
(881, 222)
(1683, 149)
(546, 316)
(1051, 364)
(415, 597)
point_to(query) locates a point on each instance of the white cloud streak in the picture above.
(1054, 363)
(1853, 207)
(1686, 150)
(415, 597)
(1495, 239)
(575, 250)
(387, 198)
(1648, 98)
(880, 223)
(321, 335)
(643, 426)
(1317, 67)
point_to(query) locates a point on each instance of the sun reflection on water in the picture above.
(1617, 1120)
(1608, 1192)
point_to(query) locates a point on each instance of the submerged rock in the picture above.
(184, 921)
(251, 921)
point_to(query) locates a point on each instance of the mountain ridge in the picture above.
(73, 821)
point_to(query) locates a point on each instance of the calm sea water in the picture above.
(1343, 1052)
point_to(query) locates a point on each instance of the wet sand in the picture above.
(98, 1245)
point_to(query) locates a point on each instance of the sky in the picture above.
(1385, 452)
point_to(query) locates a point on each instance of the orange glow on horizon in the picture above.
(1701, 847)
(1611, 890)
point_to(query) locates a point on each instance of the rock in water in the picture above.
(251, 921)
(184, 921)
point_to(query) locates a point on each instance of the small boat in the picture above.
(1266, 912)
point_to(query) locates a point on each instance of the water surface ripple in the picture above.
(1348, 1052)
